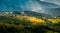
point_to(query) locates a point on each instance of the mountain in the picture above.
(53, 11)
(58, 16)
(36, 14)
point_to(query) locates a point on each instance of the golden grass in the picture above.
(54, 20)
(36, 20)
(31, 19)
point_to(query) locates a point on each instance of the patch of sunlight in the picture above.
(54, 20)
(31, 19)
(21, 17)
(35, 20)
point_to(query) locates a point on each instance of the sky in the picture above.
(26, 4)
(18, 4)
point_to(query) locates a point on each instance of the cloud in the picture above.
(52, 1)
(24, 4)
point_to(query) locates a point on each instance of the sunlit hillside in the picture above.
(37, 20)
(54, 20)
(28, 24)
(31, 19)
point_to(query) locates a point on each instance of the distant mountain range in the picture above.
(48, 13)
(53, 11)
(34, 14)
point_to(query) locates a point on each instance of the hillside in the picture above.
(20, 23)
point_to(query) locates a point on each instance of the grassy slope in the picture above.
(22, 24)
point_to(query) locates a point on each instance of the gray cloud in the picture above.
(53, 1)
